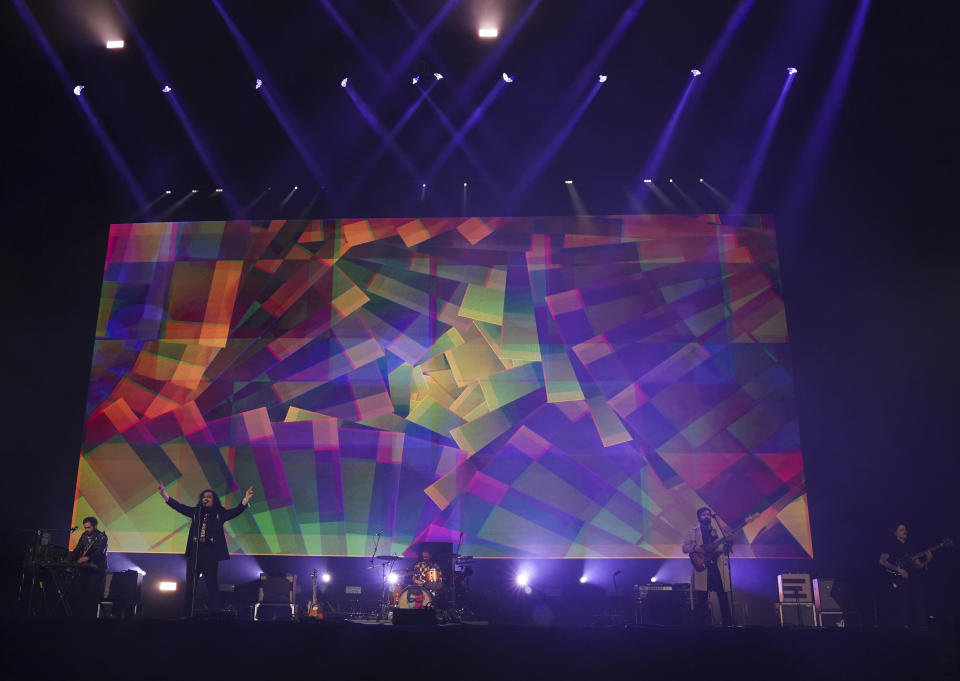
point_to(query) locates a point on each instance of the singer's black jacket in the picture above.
(96, 553)
(215, 536)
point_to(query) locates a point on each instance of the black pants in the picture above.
(906, 602)
(208, 566)
(701, 614)
(86, 590)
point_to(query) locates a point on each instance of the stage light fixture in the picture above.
(694, 72)
(701, 179)
(258, 84)
(114, 44)
(295, 187)
(653, 579)
(218, 190)
(77, 89)
(194, 191)
(523, 579)
(507, 78)
(568, 181)
(343, 83)
(648, 181)
(602, 78)
(326, 578)
(438, 75)
(488, 32)
(415, 80)
(791, 70)
(169, 191)
(464, 184)
(165, 89)
(393, 578)
(423, 186)
(670, 180)
(167, 586)
(583, 580)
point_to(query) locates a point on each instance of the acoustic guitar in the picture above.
(313, 607)
(705, 552)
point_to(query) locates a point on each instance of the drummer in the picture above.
(426, 572)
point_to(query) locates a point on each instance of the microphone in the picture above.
(379, 533)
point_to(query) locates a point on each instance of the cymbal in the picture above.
(387, 557)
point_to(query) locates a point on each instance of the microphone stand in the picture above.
(382, 605)
(727, 552)
(196, 559)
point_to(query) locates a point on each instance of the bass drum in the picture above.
(414, 598)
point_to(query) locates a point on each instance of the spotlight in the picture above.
(169, 191)
(114, 44)
(438, 75)
(194, 191)
(326, 578)
(218, 190)
(165, 89)
(701, 179)
(648, 181)
(257, 85)
(670, 180)
(423, 186)
(415, 80)
(507, 78)
(295, 187)
(602, 78)
(583, 580)
(393, 578)
(791, 70)
(77, 89)
(167, 586)
(464, 184)
(694, 72)
(343, 83)
(653, 579)
(568, 181)
(488, 32)
(523, 579)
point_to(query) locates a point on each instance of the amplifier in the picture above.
(797, 614)
(833, 595)
(795, 588)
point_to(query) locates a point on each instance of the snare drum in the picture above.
(414, 598)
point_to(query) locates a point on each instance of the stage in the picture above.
(144, 649)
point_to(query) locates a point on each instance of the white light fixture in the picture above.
(415, 80)
(169, 191)
(326, 578)
(438, 75)
(343, 83)
(701, 179)
(488, 32)
(258, 84)
(114, 44)
(166, 89)
(507, 78)
(167, 586)
(602, 78)
(792, 71)
(568, 181)
(648, 181)
(218, 190)
(194, 191)
(583, 580)
(694, 72)
(77, 89)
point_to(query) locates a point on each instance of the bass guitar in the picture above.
(313, 607)
(913, 562)
(701, 554)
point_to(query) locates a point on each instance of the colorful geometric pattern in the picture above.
(548, 387)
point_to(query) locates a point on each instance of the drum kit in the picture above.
(425, 586)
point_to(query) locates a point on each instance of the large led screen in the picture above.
(539, 387)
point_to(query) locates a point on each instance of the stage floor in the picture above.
(169, 649)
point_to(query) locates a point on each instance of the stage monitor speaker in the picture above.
(277, 588)
(797, 614)
(666, 608)
(422, 617)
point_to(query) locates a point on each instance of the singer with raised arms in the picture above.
(206, 543)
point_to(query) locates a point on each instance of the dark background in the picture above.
(869, 273)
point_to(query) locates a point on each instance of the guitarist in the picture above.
(904, 563)
(715, 577)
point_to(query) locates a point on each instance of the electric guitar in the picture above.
(912, 563)
(313, 607)
(701, 554)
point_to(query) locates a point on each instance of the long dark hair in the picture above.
(216, 499)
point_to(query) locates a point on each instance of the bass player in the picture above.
(715, 577)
